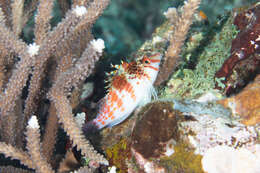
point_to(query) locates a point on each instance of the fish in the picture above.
(130, 86)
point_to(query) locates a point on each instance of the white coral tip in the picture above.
(112, 169)
(80, 10)
(98, 45)
(33, 49)
(33, 122)
(170, 12)
(80, 119)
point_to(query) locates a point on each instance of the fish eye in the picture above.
(146, 61)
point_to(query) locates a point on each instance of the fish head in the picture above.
(151, 65)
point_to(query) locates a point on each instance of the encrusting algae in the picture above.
(118, 154)
(182, 160)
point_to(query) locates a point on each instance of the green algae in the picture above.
(208, 57)
(183, 160)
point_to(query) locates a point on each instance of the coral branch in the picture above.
(11, 169)
(65, 115)
(42, 21)
(49, 138)
(20, 74)
(17, 16)
(83, 68)
(34, 145)
(58, 36)
(177, 40)
(6, 7)
(65, 43)
(14, 153)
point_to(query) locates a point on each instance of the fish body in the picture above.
(130, 86)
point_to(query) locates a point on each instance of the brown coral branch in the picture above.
(14, 153)
(10, 43)
(73, 48)
(11, 169)
(50, 43)
(177, 40)
(6, 7)
(65, 115)
(20, 74)
(34, 147)
(33, 59)
(64, 48)
(42, 21)
(82, 68)
(10, 131)
(58, 36)
(17, 16)
(49, 138)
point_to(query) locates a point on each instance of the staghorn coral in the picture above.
(34, 145)
(53, 53)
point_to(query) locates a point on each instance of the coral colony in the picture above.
(73, 65)
(193, 125)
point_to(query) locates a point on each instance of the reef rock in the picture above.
(229, 160)
(246, 104)
(210, 125)
(154, 135)
(155, 129)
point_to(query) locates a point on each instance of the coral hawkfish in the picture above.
(130, 86)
